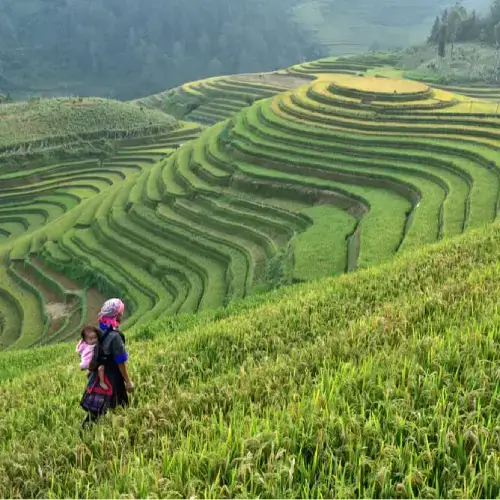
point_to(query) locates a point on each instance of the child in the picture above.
(86, 347)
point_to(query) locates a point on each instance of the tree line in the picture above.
(460, 25)
(141, 47)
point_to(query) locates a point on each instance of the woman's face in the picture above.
(119, 318)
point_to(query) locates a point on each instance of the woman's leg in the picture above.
(91, 418)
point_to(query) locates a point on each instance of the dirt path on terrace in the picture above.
(57, 310)
(278, 79)
(95, 299)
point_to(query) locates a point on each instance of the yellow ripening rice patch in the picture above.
(444, 95)
(323, 92)
(322, 88)
(371, 84)
(196, 87)
(473, 106)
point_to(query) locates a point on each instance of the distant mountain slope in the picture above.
(128, 48)
(125, 49)
(214, 99)
(349, 26)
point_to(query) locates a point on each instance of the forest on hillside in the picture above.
(459, 24)
(130, 48)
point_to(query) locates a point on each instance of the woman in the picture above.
(112, 354)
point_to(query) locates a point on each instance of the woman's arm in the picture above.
(128, 383)
(120, 357)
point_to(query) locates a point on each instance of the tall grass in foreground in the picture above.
(383, 383)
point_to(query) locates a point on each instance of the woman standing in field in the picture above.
(110, 353)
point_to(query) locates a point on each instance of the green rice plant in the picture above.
(30, 312)
(185, 176)
(241, 264)
(456, 185)
(222, 231)
(376, 384)
(153, 192)
(138, 189)
(208, 266)
(324, 244)
(278, 230)
(427, 227)
(93, 266)
(11, 317)
(169, 184)
(246, 205)
(486, 182)
(50, 291)
(383, 225)
(50, 125)
(18, 362)
(209, 254)
(259, 243)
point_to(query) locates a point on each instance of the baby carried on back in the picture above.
(104, 355)
(86, 348)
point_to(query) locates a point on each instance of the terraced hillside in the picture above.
(410, 164)
(215, 99)
(387, 64)
(488, 92)
(41, 128)
(344, 65)
(338, 174)
(49, 285)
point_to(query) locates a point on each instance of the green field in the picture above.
(381, 383)
(43, 128)
(305, 173)
(309, 261)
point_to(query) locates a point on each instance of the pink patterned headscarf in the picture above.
(109, 311)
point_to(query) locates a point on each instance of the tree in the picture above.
(434, 36)
(496, 35)
(456, 17)
(470, 28)
(442, 39)
(495, 12)
(444, 17)
(139, 48)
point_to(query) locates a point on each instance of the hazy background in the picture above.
(131, 48)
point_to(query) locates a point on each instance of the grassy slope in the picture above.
(48, 124)
(381, 383)
(470, 61)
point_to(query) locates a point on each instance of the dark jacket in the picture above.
(110, 352)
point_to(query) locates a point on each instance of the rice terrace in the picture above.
(309, 260)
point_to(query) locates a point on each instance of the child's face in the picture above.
(91, 337)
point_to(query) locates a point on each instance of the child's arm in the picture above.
(95, 362)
